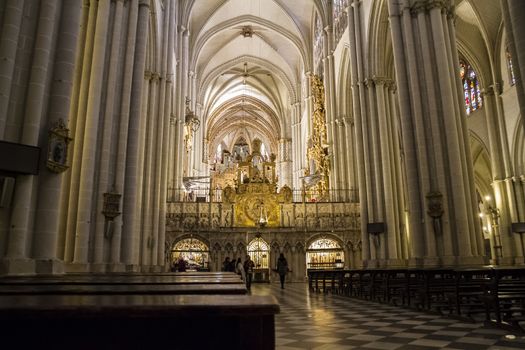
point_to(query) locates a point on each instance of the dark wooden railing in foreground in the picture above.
(135, 311)
(497, 293)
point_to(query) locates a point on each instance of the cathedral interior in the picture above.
(344, 134)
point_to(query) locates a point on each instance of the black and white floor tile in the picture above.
(317, 321)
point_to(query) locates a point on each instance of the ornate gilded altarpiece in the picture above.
(255, 198)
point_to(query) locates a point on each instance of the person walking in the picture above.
(239, 269)
(248, 268)
(282, 268)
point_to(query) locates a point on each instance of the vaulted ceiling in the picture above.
(248, 57)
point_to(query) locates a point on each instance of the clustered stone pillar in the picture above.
(285, 163)
(50, 184)
(359, 113)
(377, 153)
(441, 194)
(297, 143)
(10, 32)
(87, 69)
(514, 21)
(21, 228)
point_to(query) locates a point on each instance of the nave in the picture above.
(322, 321)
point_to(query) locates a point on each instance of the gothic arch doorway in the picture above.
(324, 253)
(259, 252)
(194, 251)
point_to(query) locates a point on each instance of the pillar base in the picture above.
(416, 262)
(132, 268)
(77, 268)
(116, 267)
(17, 266)
(519, 260)
(98, 268)
(156, 269)
(506, 261)
(393, 263)
(471, 260)
(50, 267)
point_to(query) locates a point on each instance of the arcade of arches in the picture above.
(343, 133)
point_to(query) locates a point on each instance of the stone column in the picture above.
(104, 182)
(78, 125)
(86, 185)
(296, 143)
(163, 142)
(285, 146)
(359, 113)
(122, 145)
(142, 200)
(388, 172)
(349, 150)
(407, 125)
(22, 215)
(397, 173)
(514, 21)
(150, 146)
(343, 152)
(441, 190)
(330, 106)
(12, 18)
(48, 208)
(131, 236)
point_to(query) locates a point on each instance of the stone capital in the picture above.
(368, 82)
(155, 76)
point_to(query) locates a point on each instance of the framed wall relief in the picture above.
(58, 147)
(111, 208)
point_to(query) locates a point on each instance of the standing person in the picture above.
(282, 268)
(240, 269)
(233, 265)
(181, 267)
(226, 264)
(248, 268)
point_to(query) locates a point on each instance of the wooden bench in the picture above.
(138, 321)
(113, 280)
(504, 297)
(167, 289)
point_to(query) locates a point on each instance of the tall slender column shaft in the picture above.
(120, 164)
(104, 184)
(86, 186)
(131, 212)
(79, 123)
(8, 47)
(50, 184)
(24, 199)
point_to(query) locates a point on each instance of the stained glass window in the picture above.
(324, 253)
(194, 251)
(510, 68)
(340, 18)
(259, 252)
(471, 88)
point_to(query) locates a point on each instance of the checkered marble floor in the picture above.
(315, 321)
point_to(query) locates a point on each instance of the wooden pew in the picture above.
(504, 297)
(108, 289)
(119, 279)
(138, 321)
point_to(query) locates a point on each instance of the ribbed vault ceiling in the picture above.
(248, 57)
